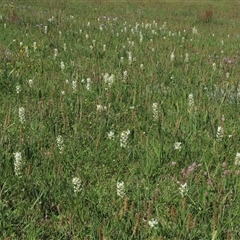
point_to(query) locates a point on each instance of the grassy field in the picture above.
(119, 120)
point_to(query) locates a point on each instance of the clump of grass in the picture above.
(13, 17)
(206, 17)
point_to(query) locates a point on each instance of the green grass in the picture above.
(63, 133)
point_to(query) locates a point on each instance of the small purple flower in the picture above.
(227, 172)
(209, 182)
(227, 60)
(224, 164)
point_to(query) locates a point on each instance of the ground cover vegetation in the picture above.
(119, 120)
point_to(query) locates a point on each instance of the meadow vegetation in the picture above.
(119, 120)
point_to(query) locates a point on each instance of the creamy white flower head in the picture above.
(220, 133)
(130, 58)
(18, 88)
(18, 163)
(120, 189)
(55, 53)
(109, 80)
(30, 83)
(124, 138)
(155, 111)
(51, 19)
(21, 114)
(237, 159)
(214, 66)
(60, 143)
(101, 108)
(62, 65)
(183, 189)
(34, 46)
(177, 145)
(77, 184)
(190, 102)
(194, 30)
(153, 223)
(111, 135)
(172, 56)
(88, 85)
(26, 50)
(164, 25)
(105, 77)
(125, 75)
(141, 37)
(74, 86)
